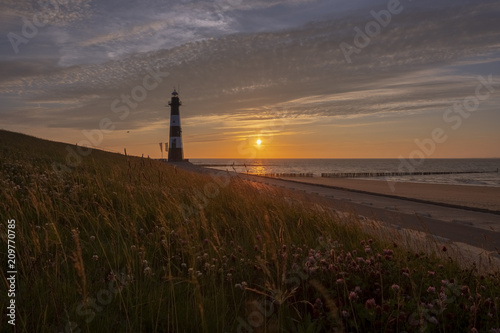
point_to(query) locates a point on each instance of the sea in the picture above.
(483, 172)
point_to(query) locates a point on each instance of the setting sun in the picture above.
(259, 141)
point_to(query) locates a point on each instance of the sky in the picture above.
(309, 78)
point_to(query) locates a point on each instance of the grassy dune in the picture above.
(128, 244)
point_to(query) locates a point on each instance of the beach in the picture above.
(480, 197)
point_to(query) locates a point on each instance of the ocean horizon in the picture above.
(484, 171)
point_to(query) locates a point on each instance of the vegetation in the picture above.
(129, 244)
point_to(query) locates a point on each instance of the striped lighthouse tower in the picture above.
(175, 152)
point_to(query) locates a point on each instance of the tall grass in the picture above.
(108, 246)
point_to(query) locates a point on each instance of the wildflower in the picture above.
(352, 296)
(340, 280)
(370, 304)
(431, 273)
(432, 320)
(238, 286)
(387, 252)
(474, 330)
(368, 250)
(318, 304)
(395, 287)
(147, 270)
(92, 238)
(95, 257)
(431, 290)
(345, 314)
(111, 276)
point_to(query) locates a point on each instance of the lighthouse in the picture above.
(175, 152)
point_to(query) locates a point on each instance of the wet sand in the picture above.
(481, 197)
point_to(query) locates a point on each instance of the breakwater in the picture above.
(367, 174)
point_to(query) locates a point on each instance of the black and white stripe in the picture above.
(175, 150)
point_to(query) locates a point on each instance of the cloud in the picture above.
(60, 12)
(415, 65)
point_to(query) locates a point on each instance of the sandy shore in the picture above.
(461, 195)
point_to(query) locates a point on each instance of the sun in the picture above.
(259, 142)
